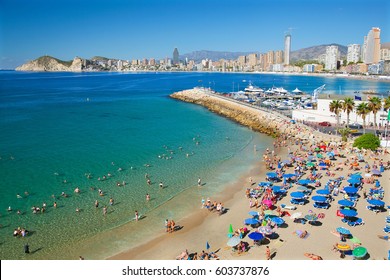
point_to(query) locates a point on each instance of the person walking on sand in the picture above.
(267, 253)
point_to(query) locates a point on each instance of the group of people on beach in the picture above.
(213, 206)
(170, 226)
(185, 255)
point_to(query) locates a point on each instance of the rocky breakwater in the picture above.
(258, 120)
(254, 119)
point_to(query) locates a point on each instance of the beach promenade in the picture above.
(295, 146)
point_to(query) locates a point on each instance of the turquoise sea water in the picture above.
(56, 128)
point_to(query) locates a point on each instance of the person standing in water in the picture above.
(199, 182)
(136, 215)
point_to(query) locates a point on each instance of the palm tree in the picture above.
(348, 105)
(344, 132)
(386, 106)
(363, 110)
(335, 107)
(375, 104)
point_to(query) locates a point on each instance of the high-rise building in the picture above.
(175, 58)
(353, 54)
(372, 46)
(252, 59)
(332, 53)
(278, 57)
(287, 49)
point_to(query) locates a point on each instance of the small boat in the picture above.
(253, 89)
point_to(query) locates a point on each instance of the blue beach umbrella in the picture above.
(343, 230)
(356, 176)
(376, 202)
(323, 192)
(304, 182)
(311, 217)
(277, 220)
(265, 184)
(319, 198)
(286, 161)
(354, 181)
(233, 241)
(276, 188)
(265, 230)
(330, 154)
(348, 212)
(255, 236)
(303, 189)
(346, 203)
(272, 174)
(322, 164)
(289, 175)
(253, 213)
(351, 190)
(297, 194)
(251, 221)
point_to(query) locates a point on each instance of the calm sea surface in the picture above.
(59, 131)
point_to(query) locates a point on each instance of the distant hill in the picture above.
(48, 63)
(312, 53)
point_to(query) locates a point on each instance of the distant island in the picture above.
(193, 61)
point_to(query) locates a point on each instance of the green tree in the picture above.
(386, 105)
(363, 110)
(344, 132)
(348, 105)
(375, 104)
(335, 107)
(367, 141)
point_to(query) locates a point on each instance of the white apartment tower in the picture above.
(353, 54)
(287, 49)
(372, 46)
(332, 53)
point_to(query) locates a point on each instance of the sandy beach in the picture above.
(296, 140)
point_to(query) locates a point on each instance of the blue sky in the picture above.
(130, 29)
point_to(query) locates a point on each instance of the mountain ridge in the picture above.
(48, 63)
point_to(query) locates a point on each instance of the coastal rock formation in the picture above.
(267, 122)
(48, 63)
(244, 116)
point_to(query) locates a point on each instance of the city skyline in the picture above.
(152, 29)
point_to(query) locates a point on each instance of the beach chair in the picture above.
(388, 219)
(321, 205)
(289, 207)
(386, 229)
(356, 222)
(297, 202)
(373, 208)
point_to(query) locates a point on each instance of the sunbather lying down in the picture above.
(301, 233)
(183, 255)
(313, 257)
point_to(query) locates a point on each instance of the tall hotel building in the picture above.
(332, 53)
(175, 58)
(287, 49)
(353, 54)
(372, 46)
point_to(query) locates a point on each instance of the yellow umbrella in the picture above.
(343, 247)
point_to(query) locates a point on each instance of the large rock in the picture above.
(51, 64)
